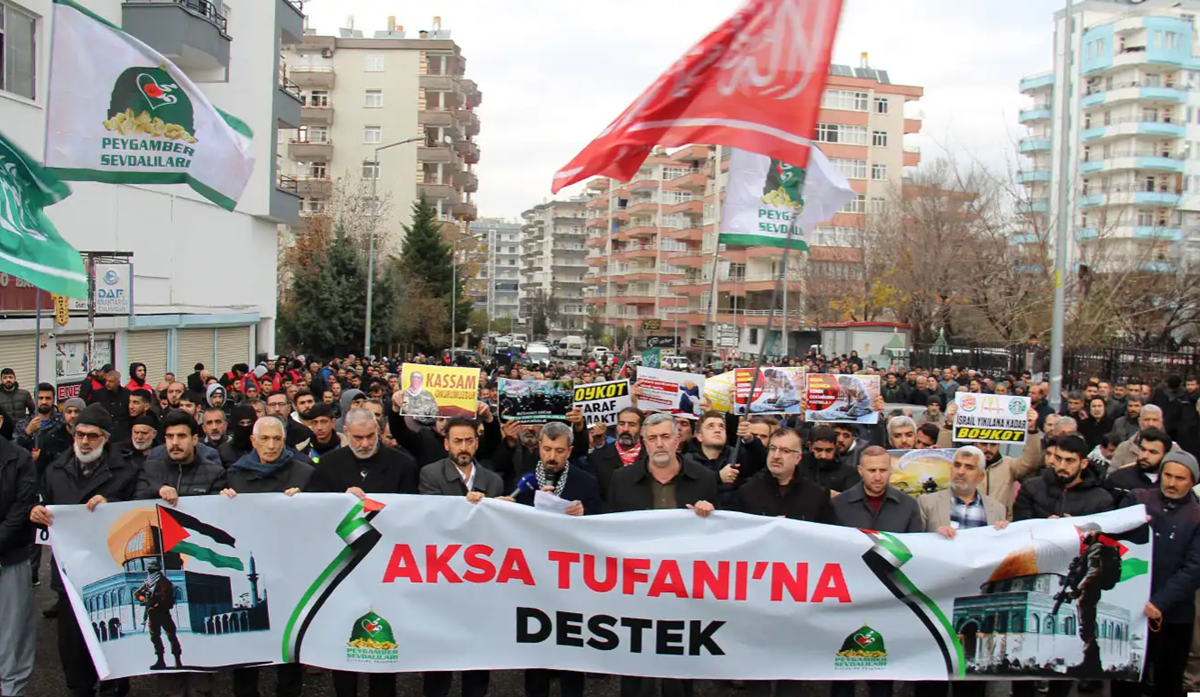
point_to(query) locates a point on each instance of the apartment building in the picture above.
(497, 283)
(203, 279)
(651, 240)
(364, 95)
(554, 264)
(1132, 145)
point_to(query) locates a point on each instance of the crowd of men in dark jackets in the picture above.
(293, 426)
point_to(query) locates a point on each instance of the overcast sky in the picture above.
(554, 73)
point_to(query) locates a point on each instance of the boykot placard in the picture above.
(841, 398)
(670, 391)
(991, 418)
(431, 391)
(602, 401)
(402, 583)
(778, 390)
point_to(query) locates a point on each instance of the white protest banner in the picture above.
(402, 583)
(602, 401)
(670, 391)
(991, 418)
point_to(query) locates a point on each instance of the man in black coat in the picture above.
(1174, 516)
(427, 443)
(92, 473)
(364, 466)
(1067, 488)
(554, 474)
(779, 491)
(627, 450)
(823, 465)
(18, 495)
(1153, 445)
(271, 467)
(663, 483)
(179, 470)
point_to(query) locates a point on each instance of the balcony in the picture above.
(464, 211)
(316, 44)
(695, 181)
(1144, 160)
(1033, 144)
(314, 187)
(1129, 195)
(191, 33)
(284, 205)
(467, 181)
(695, 206)
(437, 118)
(1036, 82)
(1034, 176)
(316, 116)
(434, 190)
(1041, 112)
(468, 150)
(468, 121)
(1040, 205)
(438, 83)
(308, 150)
(320, 77)
(286, 107)
(1133, 127)
(1134, 91)
(437, 154)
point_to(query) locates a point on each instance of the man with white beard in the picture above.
(93, 474)
(142, 435)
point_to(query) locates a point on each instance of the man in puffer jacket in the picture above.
(1068, 488)
(179, 470)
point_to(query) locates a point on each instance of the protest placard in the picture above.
(670, 391)
(917, 472)
(535, 401)
(991, 418)
(435, 390)
(778, 390)
(602, 401)
(841, 398)
(719, 391)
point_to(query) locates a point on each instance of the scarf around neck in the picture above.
(543, 480)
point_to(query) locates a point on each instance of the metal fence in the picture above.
(1112, 363)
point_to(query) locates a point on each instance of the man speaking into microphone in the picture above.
(554, 474)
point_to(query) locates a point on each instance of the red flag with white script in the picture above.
(755, 83)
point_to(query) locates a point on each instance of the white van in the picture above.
(571, 347)
(600, 354)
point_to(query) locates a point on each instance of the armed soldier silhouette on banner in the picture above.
(157, 595)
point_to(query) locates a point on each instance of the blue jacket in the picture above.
(581, 486)
(1175, 572)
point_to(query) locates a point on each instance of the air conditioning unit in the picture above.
(326, 53)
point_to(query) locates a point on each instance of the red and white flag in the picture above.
(755, 83)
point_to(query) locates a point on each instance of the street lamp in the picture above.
(371, 248)
(454, 285)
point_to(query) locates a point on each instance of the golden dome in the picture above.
(142, 543)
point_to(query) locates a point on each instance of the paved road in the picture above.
(48, 682)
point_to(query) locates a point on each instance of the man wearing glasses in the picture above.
(778, 491)
(93, 474)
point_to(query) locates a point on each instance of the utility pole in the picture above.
(710, 339)
(1063, 212)
(371, 246)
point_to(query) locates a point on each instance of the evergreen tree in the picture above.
(427, 257)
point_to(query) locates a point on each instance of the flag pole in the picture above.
(709, 339)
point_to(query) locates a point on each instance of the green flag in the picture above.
(30, 246)
(652, 358)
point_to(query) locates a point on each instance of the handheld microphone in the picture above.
(527, 482)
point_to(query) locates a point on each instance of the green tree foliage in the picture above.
(426, 256)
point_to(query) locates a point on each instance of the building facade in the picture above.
(203, 279)
(496, 285)
(1132, 145)
(651, 241)
(360, 94)
(554, 266)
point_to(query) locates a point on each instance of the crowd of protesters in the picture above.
(295, 425)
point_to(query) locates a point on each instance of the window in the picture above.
(373, 63)
(372, 134)
(879, 172)
(876, 205)
(316, 134)
(858, 205)
(669, 173)
(318, 98)
(881, 105)
(370, 170)
(312, 206)
(753, 335)
(839, 133)
(1145, 218)
(317, 170)
(371, 206)
(851, 169)
(18, 54)
(844, 99)
(373, 99)
(879, 139)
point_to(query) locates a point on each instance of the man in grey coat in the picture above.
(875, 504)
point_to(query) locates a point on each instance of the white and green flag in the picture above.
(764, 197)
(30, 246)
(119, 112)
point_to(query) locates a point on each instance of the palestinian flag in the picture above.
(183, 534)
